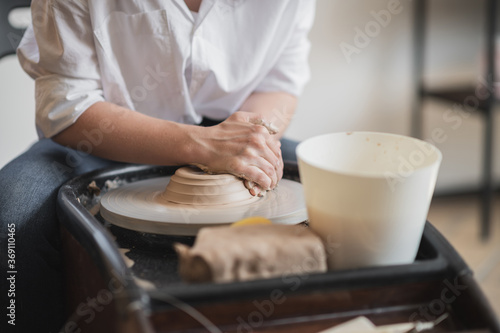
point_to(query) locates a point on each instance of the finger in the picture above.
(263, 145)
(268, 162)
(248, 184)
(271, 171)
(248, 169)
(259, 191)
(261, 178)
(280, 167)
(254, 189)
(251, 187)
(275, 146)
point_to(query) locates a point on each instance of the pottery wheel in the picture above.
(191, 199)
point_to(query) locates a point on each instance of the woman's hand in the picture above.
(243, 145)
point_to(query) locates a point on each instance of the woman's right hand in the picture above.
(242, 145)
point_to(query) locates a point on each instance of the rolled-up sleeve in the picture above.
(291, 71)
(58, 51)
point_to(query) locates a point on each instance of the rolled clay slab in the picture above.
(189, 200)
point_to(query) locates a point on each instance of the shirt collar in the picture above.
(205, 8)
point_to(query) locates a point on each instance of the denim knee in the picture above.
(29, 186)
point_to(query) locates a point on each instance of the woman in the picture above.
(128, 82)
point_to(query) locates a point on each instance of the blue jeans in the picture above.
(28, 192)
(29, 186)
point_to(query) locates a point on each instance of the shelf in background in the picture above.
(464, 95)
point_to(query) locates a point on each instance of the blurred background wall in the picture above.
(372, 92)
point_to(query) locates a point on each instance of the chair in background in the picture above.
(9, 35)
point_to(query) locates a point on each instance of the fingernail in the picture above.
(255, 191)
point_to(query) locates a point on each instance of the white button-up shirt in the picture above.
(157, 58)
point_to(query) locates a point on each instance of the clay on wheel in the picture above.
(192, 186)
